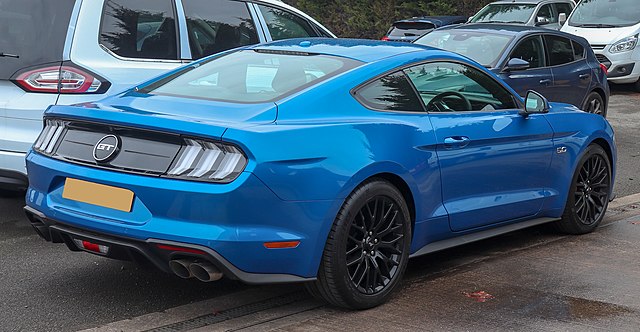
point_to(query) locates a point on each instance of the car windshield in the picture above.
(605, 14)
(251, 76)
(504, 13)
(485, 48)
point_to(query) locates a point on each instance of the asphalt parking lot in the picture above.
(528, 280)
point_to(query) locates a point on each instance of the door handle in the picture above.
(456, 142)
(545, 81)
(584, 76)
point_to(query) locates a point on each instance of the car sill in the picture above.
(464, 239)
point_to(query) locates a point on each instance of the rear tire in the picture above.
(595, 104)
(589, 193)
(367, 250)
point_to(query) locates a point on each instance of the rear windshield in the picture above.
(606, 14)
(410, 29)
(32, 32)
(504, 13)
(251, 76)
(485, 48)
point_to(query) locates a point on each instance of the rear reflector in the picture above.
(181, 249)
(92, 247)
(281, 245)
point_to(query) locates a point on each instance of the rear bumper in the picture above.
(13, 174)
(232, 222)
(123, 248)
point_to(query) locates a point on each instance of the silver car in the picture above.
(75, 51)
(542, 13)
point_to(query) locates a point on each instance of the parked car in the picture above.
(560, 66)
(323, 161)
(80, 51)
(410, 29)
(612, 28)
(542, 13)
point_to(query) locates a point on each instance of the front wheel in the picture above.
(367, 250)
(595, 104)
(589, 193)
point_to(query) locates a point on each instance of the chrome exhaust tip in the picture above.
(205, 271)
(180, 267)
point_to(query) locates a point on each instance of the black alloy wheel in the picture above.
(590, 192)
(367, 250)
(595, 104)
(374, 245)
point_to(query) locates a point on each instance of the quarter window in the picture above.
(218, 25)
(559, 49)
(390, 93)
(139, 29)
(530, 50)
(284, 25)
(445, 86)
(578, 50)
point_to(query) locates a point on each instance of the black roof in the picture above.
(436, 20)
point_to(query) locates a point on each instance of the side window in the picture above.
(563, 8)
(452, 87)
(559, 49)
(545, 15)
(530, 50)
(284, 25)
(218, 25)
(578, 50)
(143, 29)
(390, 93)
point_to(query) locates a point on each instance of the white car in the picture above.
(612, 28)
(75, 51)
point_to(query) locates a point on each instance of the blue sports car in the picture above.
(330, 162)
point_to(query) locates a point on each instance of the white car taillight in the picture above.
(208, 161)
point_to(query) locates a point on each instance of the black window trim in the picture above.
(572, 51)
(354, 91)
(122, 58)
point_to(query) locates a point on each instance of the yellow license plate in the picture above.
(98, 194)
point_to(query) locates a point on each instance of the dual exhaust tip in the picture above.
(191, 268)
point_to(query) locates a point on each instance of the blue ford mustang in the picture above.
(323, 161)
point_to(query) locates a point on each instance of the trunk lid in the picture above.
(170, 114)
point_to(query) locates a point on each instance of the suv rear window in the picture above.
(143, 29)
(251, 76)
(410, 29)
(33, 30)
(218, 25)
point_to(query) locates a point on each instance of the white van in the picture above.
(612, 28)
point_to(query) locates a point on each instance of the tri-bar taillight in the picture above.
(63, 79)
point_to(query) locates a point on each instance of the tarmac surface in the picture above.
(532, 280)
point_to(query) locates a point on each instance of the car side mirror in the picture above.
(516, 64)
(562, 18)
(535, 103)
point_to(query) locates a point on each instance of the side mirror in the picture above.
(562, 18)
(535, 103)
(516, 64)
